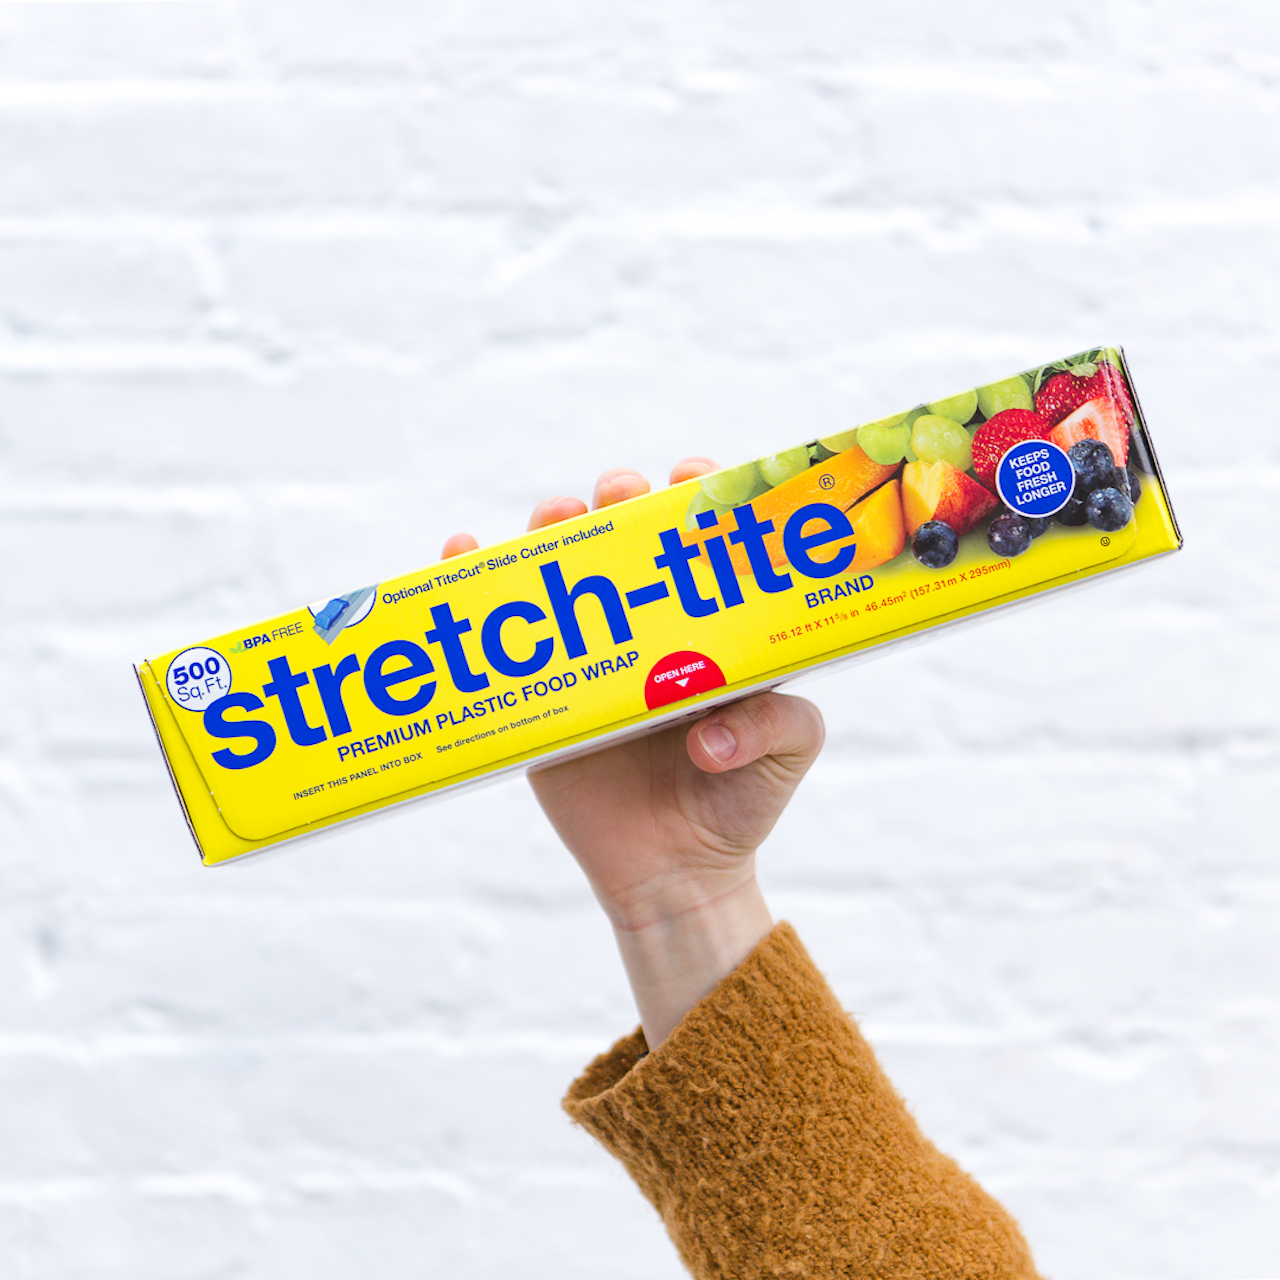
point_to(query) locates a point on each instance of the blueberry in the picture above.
(1095, 467)
(1108, 509)
(1009, 535)
(1038, 524)
(935, 544)
(1135, 486)
(1072, 513)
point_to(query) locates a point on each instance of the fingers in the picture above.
(617, 486)
(457, 544)
(770, 724)
(690, 468)
(613, 486)
(553, 510)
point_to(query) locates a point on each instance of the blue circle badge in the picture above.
(1035, 478)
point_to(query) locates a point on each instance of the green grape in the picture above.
(937, 439)
(699, 504)
(778, 467)
(735, 485)
(846, 439)
(838, 444)
(960, 408)
(909, 422)
(885, 442)
(1012, 393)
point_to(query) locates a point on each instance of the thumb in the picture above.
(789, 730)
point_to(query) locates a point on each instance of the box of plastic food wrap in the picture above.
(628, 618)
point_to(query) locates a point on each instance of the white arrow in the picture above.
(683, 682)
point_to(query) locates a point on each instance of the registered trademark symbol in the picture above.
(828, 482)
(1106, 542)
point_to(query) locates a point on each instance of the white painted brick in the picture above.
(276, 1109)
(202, 439)
(289, 292)
(1180, 136)
(1226, 1224)
(195, 147)
(234, 972)
(59, 42)
(398, 36)
(1243, 32)
(442, 290)
(131, 289)
(600, 1223)
(742, 30)
(640, 149)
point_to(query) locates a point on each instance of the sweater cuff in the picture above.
(765, 1133)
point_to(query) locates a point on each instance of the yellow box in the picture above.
(656, 609)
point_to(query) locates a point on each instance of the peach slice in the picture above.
(877, 525)
(939, 491)
(838, 482)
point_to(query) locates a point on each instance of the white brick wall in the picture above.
(291, 289)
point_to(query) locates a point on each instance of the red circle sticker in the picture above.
(681, 675)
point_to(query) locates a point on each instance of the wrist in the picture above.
(677, 958)
(669, 895)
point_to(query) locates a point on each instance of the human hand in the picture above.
(666, 825)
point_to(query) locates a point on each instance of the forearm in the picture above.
(676, 960)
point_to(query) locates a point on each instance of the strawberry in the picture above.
(999, 434)
(1096, 419)
(1061, 395)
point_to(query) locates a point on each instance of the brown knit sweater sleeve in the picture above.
(769, 1139)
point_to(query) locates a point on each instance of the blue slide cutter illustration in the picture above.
(331, 613)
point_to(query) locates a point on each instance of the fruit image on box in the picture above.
(615, 623)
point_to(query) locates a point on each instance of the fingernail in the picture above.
(717, 742)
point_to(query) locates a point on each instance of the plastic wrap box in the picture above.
(620, 621)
